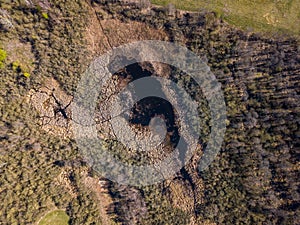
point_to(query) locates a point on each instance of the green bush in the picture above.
(16, 66)
(2, 57)
(45, 15)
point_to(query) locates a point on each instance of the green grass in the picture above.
(273, 16)
(56, 217)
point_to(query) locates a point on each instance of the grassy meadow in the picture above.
(273, 16)
(56, 217)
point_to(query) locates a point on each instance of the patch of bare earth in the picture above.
(53, 105)
(104, 33)
(123, 33)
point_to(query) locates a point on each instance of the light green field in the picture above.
(258, 15)
(56, 217)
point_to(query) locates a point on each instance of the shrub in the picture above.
(16, 66)
(45, 15)
(2, 57)
(26, 75)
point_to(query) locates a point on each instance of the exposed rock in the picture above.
(53, 105)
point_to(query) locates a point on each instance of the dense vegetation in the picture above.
(30, 178)
(252, 181)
